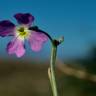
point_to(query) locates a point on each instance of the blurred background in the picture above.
(76, 60)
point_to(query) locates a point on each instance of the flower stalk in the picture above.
(51, 69)
(52, 74)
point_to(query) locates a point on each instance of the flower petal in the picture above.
(6, 28)
(16, 47)
(37, 40)
(26, 19)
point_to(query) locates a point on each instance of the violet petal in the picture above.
(6, 28)
(37, 40)
(16, 47)
(26, 18)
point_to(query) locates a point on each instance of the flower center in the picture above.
(23, 32)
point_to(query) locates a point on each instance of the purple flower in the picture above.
(20, 33)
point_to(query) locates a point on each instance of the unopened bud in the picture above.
(61, 39)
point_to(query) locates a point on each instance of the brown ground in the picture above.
(25, 78)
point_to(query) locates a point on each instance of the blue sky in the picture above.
(73, 19)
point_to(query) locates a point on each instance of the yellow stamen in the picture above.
(22, 32)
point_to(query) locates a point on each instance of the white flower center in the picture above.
(22, 32)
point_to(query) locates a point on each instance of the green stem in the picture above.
(52, 70)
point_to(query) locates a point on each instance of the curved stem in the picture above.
(51, 70)
(35, 28)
